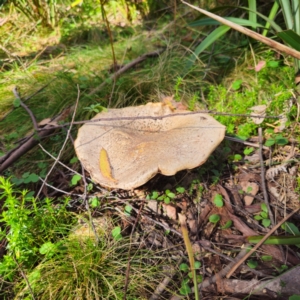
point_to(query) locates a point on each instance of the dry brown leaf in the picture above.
(258, 110)
(249, 188)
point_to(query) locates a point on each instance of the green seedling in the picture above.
(236, 85)
(218, 200)
(167, 196)
(185, 288)
(75, 179)
(252, 263)
(116, 233)
(263, 216)
(214, 218)
(227, 225)
(248, 150)
(128, 210)
(95, 108)
(94, 202)
(26, 178)
(276, 139)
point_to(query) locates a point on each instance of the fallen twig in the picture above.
(263, 179)
(33, 119)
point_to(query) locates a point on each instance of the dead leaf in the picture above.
(170, 211)
(260, 65)
(260, 111)
(105, 167)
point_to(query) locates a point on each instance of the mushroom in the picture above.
(129, 146)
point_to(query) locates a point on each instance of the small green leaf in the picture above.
(270, 142)
(264, 215)
(197, 265)
(252, 263)
(294, 297)
(258, 218)
(185, 289)
(264, 207)
(94, 202)
(237, 157)
(290, 228)
(17, 102)
(236, 85)
(184, 267)
(273, 63)
(170, 194)
(180, 189)
(248, 150)
(266, 222)
(154, 195)
(266, 257)
(218, 200)
(116, 233)
(89, 187)
(74, 160)
(128, 209)
(75, 179)
(227, 225)
(214, 218)
(281, 141)
(199, 278)
(167, 200)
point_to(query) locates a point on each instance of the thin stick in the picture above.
(65, 142)
(33, 119)
(263, 179)
(245, 143)
(233, 269)
(162, 117)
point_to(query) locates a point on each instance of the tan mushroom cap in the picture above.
(127, 153)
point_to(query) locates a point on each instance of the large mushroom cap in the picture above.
(126, 153)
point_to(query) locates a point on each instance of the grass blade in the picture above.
(291, 38)
(211, 38)
(252, 12)
(209, 21)
(287, 13)
(272, 16)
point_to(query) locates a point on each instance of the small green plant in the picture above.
(27, 227)
(94, 202)
(167, 196)
(177, 88)
(185, 288)
(248, 150)
(218, 200)
(263, 216)
(276, 139)
(95, 108)
(227, 225)
(252, 263)
(75, 179)
(236, 85)
(116, 233)
(215, 218)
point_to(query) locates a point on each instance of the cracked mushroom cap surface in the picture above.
(126, 153)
